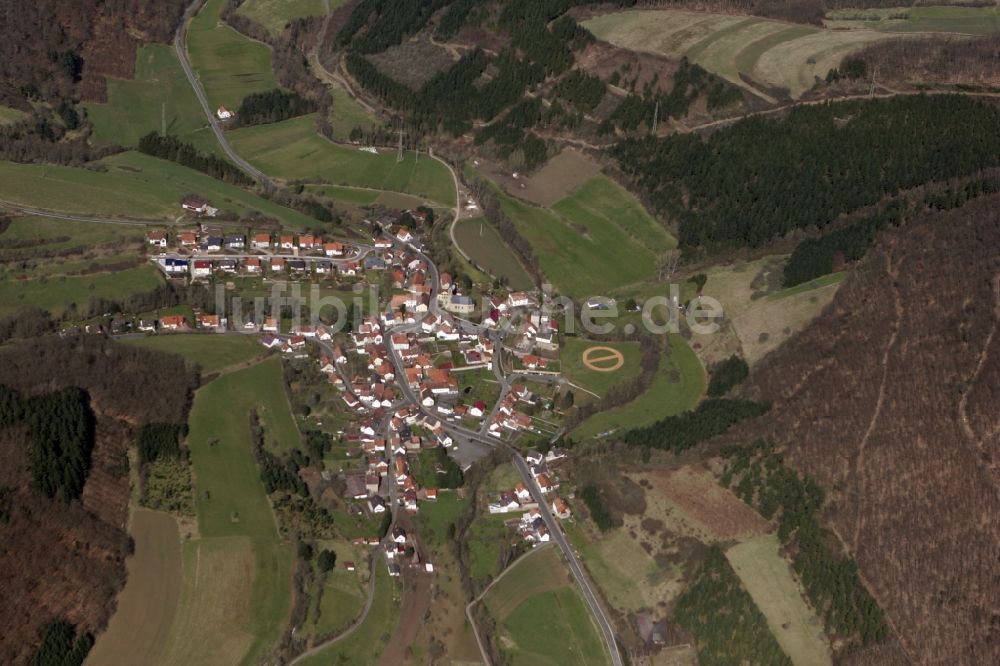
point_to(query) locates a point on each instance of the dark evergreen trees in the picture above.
(273, 106)
(682, 431)
(175, 150)
(727, 374)
(61, 646)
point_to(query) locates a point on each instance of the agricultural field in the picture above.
(64, 293)
(9, 115)
(158, 96)
(541, 616)
(363, 645)
(294, 151)
(229, 65)
(558, 178)
(769, 579)
(237, 573)
(481, 241)
(759, 313)
(211, 353)
(773, 53)
(138, 629)
(573, 367)
(593, 241)
(678, 386)
(274, 14)
(134, 186)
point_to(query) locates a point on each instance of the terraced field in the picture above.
(293, 150)
(773, 53)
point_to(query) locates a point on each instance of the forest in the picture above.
(273, 106)
(727, 374)
(61, 646)
(762, 178)
(713, 416)
(756, 474)
(727, 626)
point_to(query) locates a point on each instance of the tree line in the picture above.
(762, 178)
(727, 374)
(680, 432)
(758, 475)
(173, 149)
(273, 106)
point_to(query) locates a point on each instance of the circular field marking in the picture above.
(603, 359)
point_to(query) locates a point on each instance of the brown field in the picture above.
(556, 180)
(146, 605)
(697, 493)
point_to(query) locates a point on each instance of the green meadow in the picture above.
(210, 352)
(63, 293)
(294, 151)
(133, 185)
(229, 65)
(158, 97)
(481, 241)
(274, 14)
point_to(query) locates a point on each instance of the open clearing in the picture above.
(768, 578)
(346, 113)
(759, 314)
(558, 178)
(274, 14)
(572, 364)
(294, 151)
(10, 115)
(237, 575)
(591, 242)
(135, 185)
(138, 629)
(158, 95)
(209, 351)
(697, 493)
(481, 241)
(541, 615)
(774, 53)
(229, 65)
(677, 387)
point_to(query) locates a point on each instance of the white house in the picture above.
(223, 113)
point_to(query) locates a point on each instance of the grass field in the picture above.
(236, 586)
(346, 114)
(158, 92)
(135, 185)
(573, 368)
(768, 578)
(343, 599)
(366, 643)
(677, 387)
(962, 20)
(595, 240)
(759, 314)
(541, 616)
(351, 195)
(138, 629)
(774, 53)
(9, 115)
(481, 241)
(229, 65)
(57, 294)
(210, 352)
(293, 150)
(274, 14)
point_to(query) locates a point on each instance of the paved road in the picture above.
(180, 46)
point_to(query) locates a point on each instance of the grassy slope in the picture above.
(293, 150)
(135, 185)
(10, 115)
(56, 294)
(159, 91)
(237, 607)
(482, 242)
(664, 397)
(346, 114)
(274, 14)
(229, 65)
(210, 352)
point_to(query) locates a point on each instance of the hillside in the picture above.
(67, 559)
(888, 401)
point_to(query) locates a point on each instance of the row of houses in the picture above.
(204, 268)
(208, 239)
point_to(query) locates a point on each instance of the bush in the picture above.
(598, 513)
(327, 560)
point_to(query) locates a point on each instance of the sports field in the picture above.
(768, 578)
(210, 352)
(237, 575)
(293, 150)
(573, 367)
(593, 241)
(229, 65)
(274, 14)
(774, 53)
(678, 386)
(541, 616)
(146, 605)
(481, 241)
(135, 186)
(157, 97)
